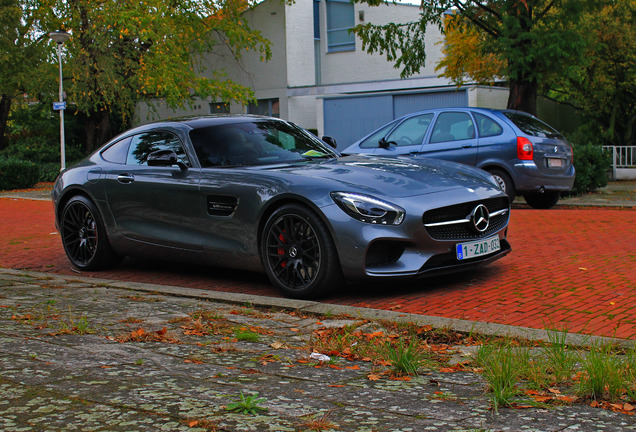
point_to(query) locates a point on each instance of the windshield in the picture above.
(532, 126)
(256, 143)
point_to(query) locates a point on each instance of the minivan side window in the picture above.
(487, 127)
(453, 126)
(374, 140)
(411, 131)
(148, 142)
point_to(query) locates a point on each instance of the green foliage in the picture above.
(17, 174)
(590, 161)
(246, 404)
(405, 359)
(603, 376)
(503, 368)
(603, 86)
(535, 40)
(559, 358)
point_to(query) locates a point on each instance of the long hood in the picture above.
(394, 177)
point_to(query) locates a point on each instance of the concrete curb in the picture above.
(318, 308)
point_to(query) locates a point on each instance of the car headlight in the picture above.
(368, 209)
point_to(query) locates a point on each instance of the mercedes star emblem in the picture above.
(480, 218)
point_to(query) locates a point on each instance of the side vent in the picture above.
(221, 205)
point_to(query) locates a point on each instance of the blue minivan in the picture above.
(525, 155)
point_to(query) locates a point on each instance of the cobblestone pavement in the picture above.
(572, 267)
(80, 354)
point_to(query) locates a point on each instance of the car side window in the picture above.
(411, 131)
(373, 141)
(118, 152)
(144, 144)
(487, 127)
(453, 126)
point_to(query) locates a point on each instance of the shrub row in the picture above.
(18, 174)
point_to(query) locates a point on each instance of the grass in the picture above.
(503, 368)
(405, 358)
(248, 405)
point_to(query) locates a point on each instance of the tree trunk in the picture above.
(523, 96)
(5, 107)
(98, 130)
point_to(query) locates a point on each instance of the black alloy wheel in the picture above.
(298, 253)
(83, 235)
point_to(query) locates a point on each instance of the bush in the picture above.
(18, 174)
(590, 161)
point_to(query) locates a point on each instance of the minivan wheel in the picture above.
(543, 200)
(505, 183)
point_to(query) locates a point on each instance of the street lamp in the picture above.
(60, 36)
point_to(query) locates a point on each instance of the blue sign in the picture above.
(59, 106)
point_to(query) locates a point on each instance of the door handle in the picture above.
(125, 178)
(467, 145)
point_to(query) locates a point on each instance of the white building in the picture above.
(320, 78)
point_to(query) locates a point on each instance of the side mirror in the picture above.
(329, 140)
(383, 143)
(164, 158)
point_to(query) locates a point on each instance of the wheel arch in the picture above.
(279, 202)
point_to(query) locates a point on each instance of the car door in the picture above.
(156, 204)
(407, 137)
(452, 138)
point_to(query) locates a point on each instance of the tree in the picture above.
(21, 52)
(534, 37)
(125, 51)
(604, 86)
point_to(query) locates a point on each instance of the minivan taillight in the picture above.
(524, 148)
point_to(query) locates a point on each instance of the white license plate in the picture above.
(478, 248)
(555, 163)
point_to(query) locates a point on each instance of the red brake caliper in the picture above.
(281, 250)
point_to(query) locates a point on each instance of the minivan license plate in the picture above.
(478, 248)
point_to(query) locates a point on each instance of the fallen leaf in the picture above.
(335, 385)
(373, 377)
(628, 407)
(554, 390)
(448, 370)
(163, 331)
(193, 423)
(356, 367)
(595, 404)
(276, 345)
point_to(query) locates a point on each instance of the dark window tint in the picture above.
(257, 143)
(146, 143)
(117, 152)
(532, 125)
(411, 131)
(373, 140)
(453, 126)
(487, 127)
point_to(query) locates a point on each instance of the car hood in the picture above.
(393, 176)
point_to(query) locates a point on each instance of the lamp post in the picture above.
(60, 36)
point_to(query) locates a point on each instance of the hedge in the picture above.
(18, 174)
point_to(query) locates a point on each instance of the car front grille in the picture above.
(453, 222)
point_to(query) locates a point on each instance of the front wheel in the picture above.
(298, 253)
(545, 200)
(84, 237)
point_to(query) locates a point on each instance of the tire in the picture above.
(505, 183)
(545, 200)
(299, 254)
(84, 237)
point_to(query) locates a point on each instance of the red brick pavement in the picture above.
(570, 268)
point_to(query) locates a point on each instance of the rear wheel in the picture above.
(84, 237)
(505, 183)
(298, 253)
(545, 200)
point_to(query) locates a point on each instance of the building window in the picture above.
(219, 108)
(266, 107)
(340, 18)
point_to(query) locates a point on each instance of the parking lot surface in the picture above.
(572, 267)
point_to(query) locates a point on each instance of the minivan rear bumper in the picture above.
(528, 178)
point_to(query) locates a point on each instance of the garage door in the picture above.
(349, 119)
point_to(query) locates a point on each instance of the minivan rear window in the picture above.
(532, 126)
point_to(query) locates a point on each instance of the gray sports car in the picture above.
(260, 194)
